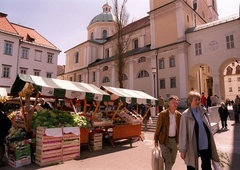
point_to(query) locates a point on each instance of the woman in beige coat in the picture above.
(195, 135)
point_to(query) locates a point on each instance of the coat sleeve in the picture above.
(183, 134)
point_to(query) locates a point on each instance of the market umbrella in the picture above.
(130, 96)
(59, 88)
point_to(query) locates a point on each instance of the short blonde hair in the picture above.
(191, 95)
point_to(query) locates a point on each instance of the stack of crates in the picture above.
(95, 141)
(48, 148)
(71, 144)
(19, 155)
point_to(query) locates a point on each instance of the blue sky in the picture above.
(64, 22)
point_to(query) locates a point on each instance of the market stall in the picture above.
(4, 94)
(57, 131)
(132, 126)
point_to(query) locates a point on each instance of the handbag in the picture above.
(216, 165)
(157, 160)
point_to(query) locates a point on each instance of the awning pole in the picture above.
(74, 109)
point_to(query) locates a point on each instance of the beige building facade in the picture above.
(180, 46)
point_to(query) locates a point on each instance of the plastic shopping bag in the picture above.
(216, 165)
(157, 160)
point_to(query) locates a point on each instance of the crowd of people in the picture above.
(190, 132)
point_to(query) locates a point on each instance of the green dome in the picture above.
(105, 16)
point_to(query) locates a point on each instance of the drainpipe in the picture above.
(18, 56)
(157, 74)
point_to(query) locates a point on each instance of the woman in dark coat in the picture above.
(223, 113)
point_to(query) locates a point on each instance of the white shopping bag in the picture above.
(157, 160)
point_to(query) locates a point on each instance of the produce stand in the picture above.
(133, 121)
(49, 148)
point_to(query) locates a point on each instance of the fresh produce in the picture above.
(56, 118)
(15, 134)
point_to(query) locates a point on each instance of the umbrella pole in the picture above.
(115, 112)
(96, 109)
(73, 107)
(147, 111)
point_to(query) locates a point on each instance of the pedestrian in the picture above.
(209, 102)
(195, 136)
(223, 113)
(204, 100)
(5, 126)
(146, 117)
(167, 132)
(161, 104)
(236, 111)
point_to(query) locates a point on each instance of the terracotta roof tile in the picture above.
(33, 36)
(5, 25)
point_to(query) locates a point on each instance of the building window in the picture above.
(6, 71)
(172, 61)
(76, 57)
(229, 80)
(238, 79)
(161, 63)
(8, 48)
(94, 76)
(143, 73)
(36, 72)
(230, 41)
(125, 77)
(80, 78)
(106, 79)
(23, 70)
(107, 53)
(229, 70)
(230, 89)
(49, 75)
(105, 68)
(187, 18)
(24, 53)
(173, 82)
(238, 69)
(38, 55)
(91, 36)
(135, 43)
(50, 58)
(198, 49)
(104, 34)
(142, 60)
(162, 84)
(238, 88)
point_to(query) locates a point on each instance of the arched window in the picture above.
(238, 69)
(76, 57)
(142, 73)
(142, 60)
(172, 61)
(229, 70)
(106, 79)
(104, 34)
(161, 63)
(92, 36)
(105, 68)
(125, 77)
(135, 43)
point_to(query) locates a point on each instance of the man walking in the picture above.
(167, 132)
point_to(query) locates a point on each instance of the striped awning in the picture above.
(60, 88)
(130, 96)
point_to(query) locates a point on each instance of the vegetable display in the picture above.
(56, 118)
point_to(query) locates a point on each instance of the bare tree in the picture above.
(122, 39)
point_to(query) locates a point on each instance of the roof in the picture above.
(60, 69)
(58, 88)
(105, 16)
(32, 36)
(214, 23)
(5, 25)
(129, 95)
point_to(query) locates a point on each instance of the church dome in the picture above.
(105, 16)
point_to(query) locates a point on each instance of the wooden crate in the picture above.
(95, 136)
(95, 142)
(47, 153)
(95, 148)
(48, 161)
(71, 156)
